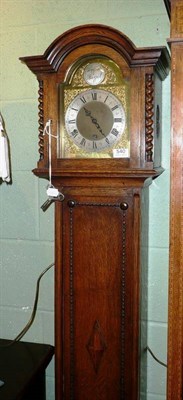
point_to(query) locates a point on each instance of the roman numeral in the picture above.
(75, 109)
(114, 132)
(83, 99)
(83, 142)
(74, 133)
(94, 96)
(115, 107)
(107, 140)
(106, 99)
(117, 119)
(72, 121)
(94, 145)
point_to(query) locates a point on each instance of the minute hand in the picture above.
(94, 121)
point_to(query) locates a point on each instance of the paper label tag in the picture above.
(120, 153)
(52, 192)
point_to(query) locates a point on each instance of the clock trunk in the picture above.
(98, 293)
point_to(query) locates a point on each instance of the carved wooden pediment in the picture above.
(95, 34)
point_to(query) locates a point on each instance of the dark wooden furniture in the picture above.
(101, 227)
(175, 321)
(168, 7)
(22, 368)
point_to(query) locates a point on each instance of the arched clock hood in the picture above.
(83, 35)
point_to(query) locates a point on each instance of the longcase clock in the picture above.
(103, 96)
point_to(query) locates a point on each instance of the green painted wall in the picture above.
(27, 27)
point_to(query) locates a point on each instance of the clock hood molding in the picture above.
(72, 39)
(143, 68)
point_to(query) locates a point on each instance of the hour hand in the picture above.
(94, 121)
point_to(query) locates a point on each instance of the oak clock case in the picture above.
(103, 96)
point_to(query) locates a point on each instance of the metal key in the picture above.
(50, 200)
(46, 204)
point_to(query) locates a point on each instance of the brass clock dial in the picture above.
(94, 110)
(95, 120)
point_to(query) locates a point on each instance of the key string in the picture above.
(48, 131)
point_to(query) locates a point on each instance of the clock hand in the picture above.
(94, 121)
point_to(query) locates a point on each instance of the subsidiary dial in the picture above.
(94, 74)
(95, 120)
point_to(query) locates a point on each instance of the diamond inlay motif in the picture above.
(96, 346)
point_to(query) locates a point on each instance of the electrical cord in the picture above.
(155, 358)
(32, 317)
